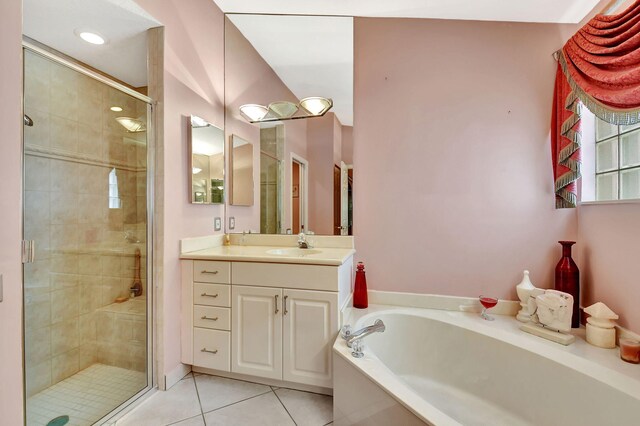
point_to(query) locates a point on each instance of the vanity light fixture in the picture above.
(314, 106)
(253, 112)
(282, 109)
(198, 122)
(133, 125)
(91, 37)
(116, 109)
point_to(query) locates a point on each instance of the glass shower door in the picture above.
(85, 209)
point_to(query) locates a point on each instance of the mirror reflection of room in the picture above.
(207, 162)
(302, 167)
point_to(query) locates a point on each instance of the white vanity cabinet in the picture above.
(206, 309)
(310, 326)
(257, 331)
(284, 334)
(272, 320)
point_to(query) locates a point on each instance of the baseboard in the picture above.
(176, 375)
(264, 381)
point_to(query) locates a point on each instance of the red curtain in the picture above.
(598, 67)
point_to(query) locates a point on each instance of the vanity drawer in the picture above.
(211, 349)
(209, 271)
(303, 277)
(212, 317)
(212, 294)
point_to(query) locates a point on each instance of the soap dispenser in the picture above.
(360, 298)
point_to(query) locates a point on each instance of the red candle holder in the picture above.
(630, 351)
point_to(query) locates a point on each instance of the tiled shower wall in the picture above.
(84, 249)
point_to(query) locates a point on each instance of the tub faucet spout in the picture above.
(377, 327)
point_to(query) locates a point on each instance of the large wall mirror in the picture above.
(302, 176)
(206, 146)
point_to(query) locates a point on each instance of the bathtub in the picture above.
(449, 368)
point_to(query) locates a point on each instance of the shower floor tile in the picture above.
(86, 396)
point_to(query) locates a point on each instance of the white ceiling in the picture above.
(312, 55)
(122, 22)
(559, 11)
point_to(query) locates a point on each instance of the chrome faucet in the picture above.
(303, 243)
(354, 340)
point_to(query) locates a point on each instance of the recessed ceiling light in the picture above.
(91, 37)
(116, 109)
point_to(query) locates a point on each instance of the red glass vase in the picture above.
(568, 280)
(360, 299)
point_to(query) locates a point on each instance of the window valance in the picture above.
(599, 67)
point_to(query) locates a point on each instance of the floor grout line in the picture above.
(195, 383)
(188, 418)
(237, 402)
(285, 407)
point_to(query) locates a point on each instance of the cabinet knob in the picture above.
(284, 304)
(209, 272)
(208, 351)
(209, 295)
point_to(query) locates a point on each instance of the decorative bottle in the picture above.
(524, 291)
(360, 299)
(568, 280)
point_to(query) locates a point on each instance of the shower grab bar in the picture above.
(204, 317)
(208, 351)
(209, 295)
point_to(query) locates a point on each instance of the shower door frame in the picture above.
(42, 50)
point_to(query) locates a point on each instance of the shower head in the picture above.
(28, 121)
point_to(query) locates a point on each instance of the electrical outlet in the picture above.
(232, 222)
(217, 224)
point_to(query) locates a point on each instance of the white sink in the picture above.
(293, 252)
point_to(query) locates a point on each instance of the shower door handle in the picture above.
(28, 251)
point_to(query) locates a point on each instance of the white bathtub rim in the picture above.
(376, 371)
(504, 329)
(552, 351)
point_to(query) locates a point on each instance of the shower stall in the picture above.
(87, 238)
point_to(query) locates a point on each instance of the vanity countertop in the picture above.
(273, 254)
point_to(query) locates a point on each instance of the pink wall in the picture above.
(11, 212)
(607, 255)
(250, 80)
(320, 143)
(347, 144)
(194, 84)
(337, 141)
(451, 142)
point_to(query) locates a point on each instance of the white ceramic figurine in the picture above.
(550, 312)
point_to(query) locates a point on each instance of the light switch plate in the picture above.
(232, 222)
(217, 224)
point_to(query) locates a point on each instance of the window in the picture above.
(617, 161)
(114, 199)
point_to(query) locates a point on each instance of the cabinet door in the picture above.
(310, 328)
(257, 331)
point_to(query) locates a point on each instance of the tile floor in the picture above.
(86, 396)
(200, 399)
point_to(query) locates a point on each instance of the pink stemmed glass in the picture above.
(487, 303)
